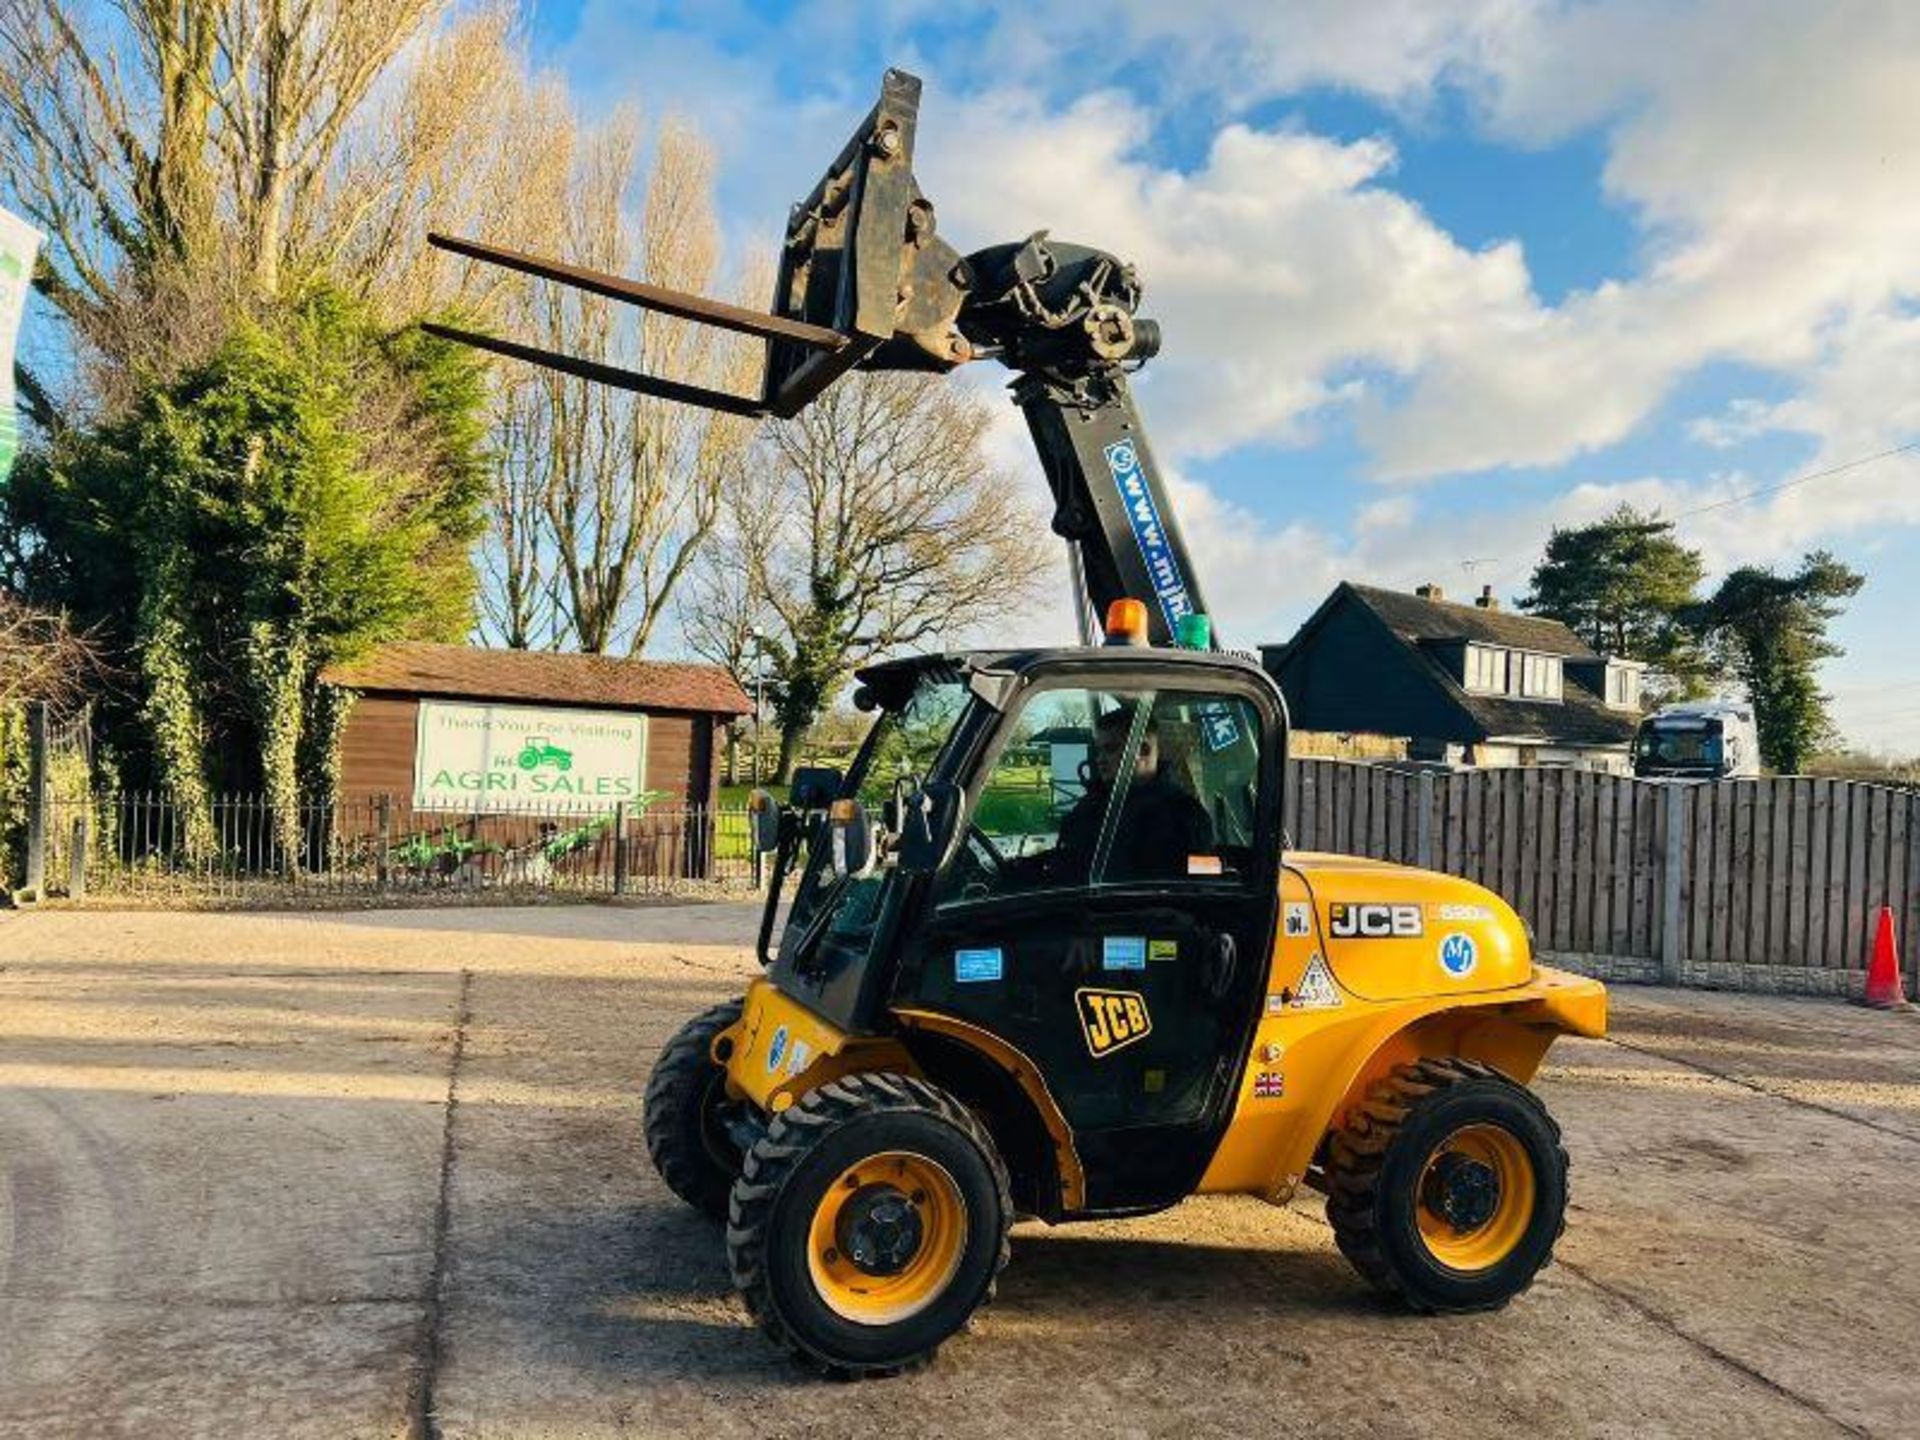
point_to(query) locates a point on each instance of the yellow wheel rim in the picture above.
(887, 1237)
(1475, 1198)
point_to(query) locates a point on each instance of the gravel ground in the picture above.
(379, 1174)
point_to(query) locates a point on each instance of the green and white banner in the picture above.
(19, 243)
(478, 757)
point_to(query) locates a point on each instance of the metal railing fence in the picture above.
(245, 847)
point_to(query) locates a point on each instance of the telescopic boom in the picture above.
(865, 282)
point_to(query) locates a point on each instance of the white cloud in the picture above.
(1766, 146)
(1769, 150)
(1274, 266)
(1742, 420)
(1242, 51)
(1765, 149)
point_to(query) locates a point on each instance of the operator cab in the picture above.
(1021, 832)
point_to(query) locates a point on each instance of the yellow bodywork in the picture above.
(780, 1050)
(1396, 1002)
(1339, 1011)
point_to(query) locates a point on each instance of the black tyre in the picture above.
(1448, 1188)
(686, 1115)
(868, 1224)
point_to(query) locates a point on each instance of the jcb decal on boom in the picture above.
(1112, 1019)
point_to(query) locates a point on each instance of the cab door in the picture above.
(1109, 912)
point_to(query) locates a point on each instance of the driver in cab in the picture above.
(1160, 823)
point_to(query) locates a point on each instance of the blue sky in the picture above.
(1435, 277)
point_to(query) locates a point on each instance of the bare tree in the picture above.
(519, 602)
(188, 158)
(628, 488)
(460, 137)
(878, 525)
(43, 658)
(722, 610)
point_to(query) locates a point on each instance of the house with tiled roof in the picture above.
(1460, 684)
(457, 728)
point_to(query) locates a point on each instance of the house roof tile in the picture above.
(1414, 618)
(1580, 717)
(1577, 719)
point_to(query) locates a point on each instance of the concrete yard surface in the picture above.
(380, 1174)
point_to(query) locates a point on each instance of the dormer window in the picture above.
(1486, 670)
(1623, 686)
(1541, 677)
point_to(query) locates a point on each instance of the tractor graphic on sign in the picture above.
(538, 751)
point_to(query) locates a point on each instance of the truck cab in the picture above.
(1712, 740)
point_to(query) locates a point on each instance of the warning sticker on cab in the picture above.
(972, 966)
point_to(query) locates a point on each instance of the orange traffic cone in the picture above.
(1883, 970)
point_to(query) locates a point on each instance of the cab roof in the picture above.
(891, 681)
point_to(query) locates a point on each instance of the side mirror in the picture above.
(815, 787)
(850, 845)
(928, 822)
(763, 822)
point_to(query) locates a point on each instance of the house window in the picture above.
(1540, 677)
(1486, 670)
(1623, 687)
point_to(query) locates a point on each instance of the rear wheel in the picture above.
(687, 1112)
(868, 1224)
(1448, 1187)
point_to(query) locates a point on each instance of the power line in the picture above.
(1766, 490)
(1798, 481)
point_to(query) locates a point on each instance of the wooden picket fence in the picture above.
(1768, 884)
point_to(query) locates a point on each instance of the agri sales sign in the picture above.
(470, 757)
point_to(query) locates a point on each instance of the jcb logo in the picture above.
(1112, 1019)
(1374, 921)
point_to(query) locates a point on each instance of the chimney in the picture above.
(1486, 600)
(1430, 592)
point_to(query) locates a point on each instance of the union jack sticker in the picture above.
(1269, 1085)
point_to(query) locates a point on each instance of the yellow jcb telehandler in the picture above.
(1048, 953)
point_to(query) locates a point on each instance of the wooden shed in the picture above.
(453, 727)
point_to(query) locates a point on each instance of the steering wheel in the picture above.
(987, 867)
(984, 853)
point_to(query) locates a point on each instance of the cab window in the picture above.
(1114, 787)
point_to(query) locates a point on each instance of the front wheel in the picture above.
(687, 1111)
(1448, 1188)
(868, 1224)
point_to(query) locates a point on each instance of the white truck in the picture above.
(1699, 740)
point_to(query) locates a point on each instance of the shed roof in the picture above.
(543, 676)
